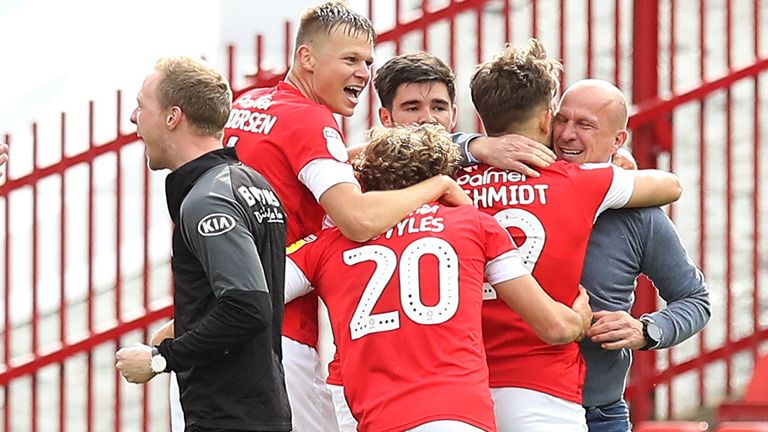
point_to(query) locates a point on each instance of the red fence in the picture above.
(85, 238)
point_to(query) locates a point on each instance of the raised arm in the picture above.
(511, 152)
(355, 150)
(654, 188)
(362, 216)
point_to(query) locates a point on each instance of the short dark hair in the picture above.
(325, 18)
(411, 68)
(402, 156)
(507, 90)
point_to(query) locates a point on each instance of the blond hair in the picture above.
(402, 156)
(200, 91)
(325, 18)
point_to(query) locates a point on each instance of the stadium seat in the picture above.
(742, 411)
(754, 405)
(757, 390)
(671, 426)
(742, 427)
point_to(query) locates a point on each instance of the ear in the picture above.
(620, 139)
(454, 116)
(306, 58)
(385, 117)
(173, 119)
(545, 121)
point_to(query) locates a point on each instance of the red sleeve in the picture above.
(497, 238)
(302, 253)
(315, 136)
(591, 180)
(302, 129)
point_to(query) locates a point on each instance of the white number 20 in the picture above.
(364, 322)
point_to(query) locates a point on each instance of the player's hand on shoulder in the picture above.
(623, 158)
(512, 152)
(616, 330)
(454, 195)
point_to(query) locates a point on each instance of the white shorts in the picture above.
(524, 410)
(177, 413)
(311, 403)
(445, 426)
(347, 422)
(344, 418)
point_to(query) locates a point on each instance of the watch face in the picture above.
(653, 330)
(158, 363)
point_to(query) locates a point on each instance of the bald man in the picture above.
(538, 388)
(590, 126)
(591, 121)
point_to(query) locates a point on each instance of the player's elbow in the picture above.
(253, 309)
(656, 189)
(359, 226)
(670, 189)
(559, 333)
(675, 189)
(258, 320)
(259, 324)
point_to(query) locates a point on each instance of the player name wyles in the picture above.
(492, 188)
(418, 221)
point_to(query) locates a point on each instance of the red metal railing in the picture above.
(112, 283)
(725, 236)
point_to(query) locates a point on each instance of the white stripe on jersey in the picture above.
(322, 174)
(296, 283)
(620, 192)
(504, 267)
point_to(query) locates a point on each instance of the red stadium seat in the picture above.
(757, 390)
(671, 426)
(742, 427)
(744, 411)
(754, 406)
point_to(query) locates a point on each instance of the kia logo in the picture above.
(215, 224)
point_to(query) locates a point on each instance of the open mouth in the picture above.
(353, 93)
(570, 152)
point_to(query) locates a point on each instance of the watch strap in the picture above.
(161, 360)
(649, 341)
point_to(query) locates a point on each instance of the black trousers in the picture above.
(195, 428)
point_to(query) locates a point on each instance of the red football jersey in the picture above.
(550, 218)
(405, 311)
(281, 133)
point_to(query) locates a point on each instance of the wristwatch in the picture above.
(651, 331)
(158, 362)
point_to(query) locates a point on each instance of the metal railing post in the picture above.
(645, 87)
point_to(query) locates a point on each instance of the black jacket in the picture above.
(228, 267)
